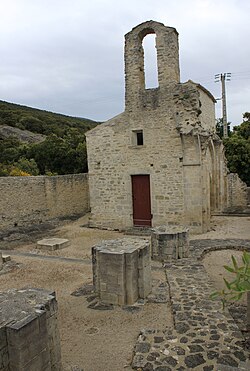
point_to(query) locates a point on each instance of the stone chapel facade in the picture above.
(160, 161)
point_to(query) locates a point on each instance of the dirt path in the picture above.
(93, 339)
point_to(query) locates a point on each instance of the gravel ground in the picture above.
(103, 340)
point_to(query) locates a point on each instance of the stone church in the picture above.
(160, 161)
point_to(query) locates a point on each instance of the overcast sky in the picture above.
(66, 56)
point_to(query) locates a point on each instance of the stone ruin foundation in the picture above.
(3, 259)
(121, 270)
(52, 244)
(169, 243)
(29, 336)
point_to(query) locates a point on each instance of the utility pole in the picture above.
(223, 77)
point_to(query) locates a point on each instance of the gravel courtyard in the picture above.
(93, 339)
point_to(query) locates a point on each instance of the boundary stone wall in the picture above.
(237, 192)
(35, 199)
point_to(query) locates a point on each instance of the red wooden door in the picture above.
(141, 200)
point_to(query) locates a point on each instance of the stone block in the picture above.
(40, 362)
(169, 243)
(121, 270)
(4, 358)
(29, 335)
(3, 337)
(6, 258)
(52, 244)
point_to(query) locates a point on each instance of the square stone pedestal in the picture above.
(29, 334)
(121, 270)
(52, 243)
(169, 243)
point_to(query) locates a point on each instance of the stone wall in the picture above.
(248, 195)
(29, 336)
(207, 109)
(237, 193)
(34, 200)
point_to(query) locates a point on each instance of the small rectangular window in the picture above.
(137, 138)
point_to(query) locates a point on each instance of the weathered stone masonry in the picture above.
(121, 270)
(237, 193)
(29, 335)
(167, 134)
(33, 200)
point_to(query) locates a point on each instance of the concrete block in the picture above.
(52, 244)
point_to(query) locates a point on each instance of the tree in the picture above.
(239, 286)
(9, 150)
(27, 166)
(56, 155)
(237, 149)
(32, 124)
(243, 130)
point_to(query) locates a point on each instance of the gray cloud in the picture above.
(67, 56)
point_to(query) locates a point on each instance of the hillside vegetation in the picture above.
(36, 142)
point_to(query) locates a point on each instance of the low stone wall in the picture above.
(35, 199)
(29, 336)
(237, 193)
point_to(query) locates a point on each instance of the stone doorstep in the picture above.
(52, 243)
